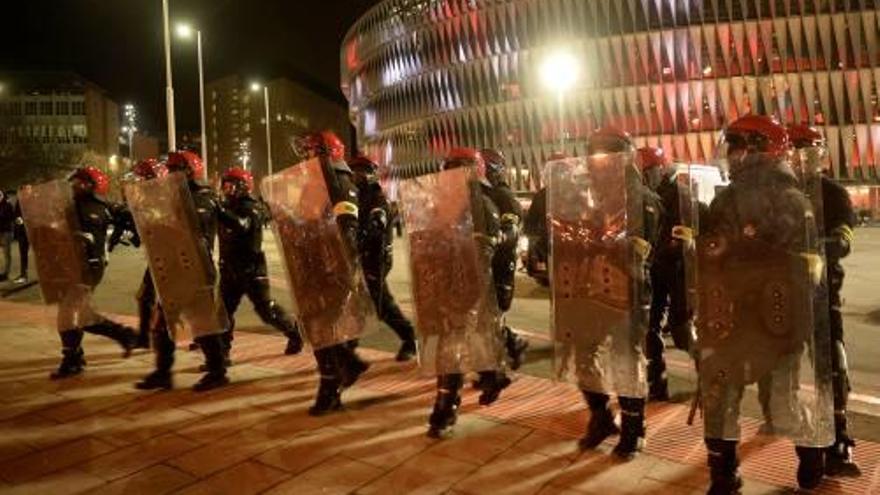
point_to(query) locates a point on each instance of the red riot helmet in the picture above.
(237, 181)
(805, 136)
(364, 169)
(363, 164)
(149, 169)
(753, 139)
(494, 159)
(185, 161)
(809, 149)
(323, 143)
(465, 157)
(653, 164)
(90, 179)
(609, 139)
(756, 134)
(496, 165)
(650, 157)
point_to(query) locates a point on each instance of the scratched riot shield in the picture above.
(50, 217)
(697, 185)
(457, 316)
(598, 273)
(762, 305)
(180, 263)
(328, 290)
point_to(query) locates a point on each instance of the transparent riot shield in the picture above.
(50, 217)
(329, 294)
(597, 273)
(761, 306)
(180, 263)
(457, 316)
(697, 186)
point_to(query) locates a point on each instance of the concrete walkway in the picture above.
(96, 434)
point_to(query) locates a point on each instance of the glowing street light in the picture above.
(130, 127)
(255, 87)
(185, 31)
(559, 72)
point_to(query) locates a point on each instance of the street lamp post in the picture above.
(185, 31)
(169, 87)
(559, 72)
(256, 87)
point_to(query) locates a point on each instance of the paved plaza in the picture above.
(96, 434)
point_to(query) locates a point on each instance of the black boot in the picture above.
(328, 398)
(658, 386)
(723, 467)
(407, 351)
(214, 349)
(516, 347)
(294, 343)
(142, 341)
(157, 380)
(72, 361)
(811, 466)
(492, 383)
(164, 348)
(275, 315)
(601, 424)
(351, 365)
(123, 335)
(146, 306)
(446, 405)
(632, 431)
(226, 339)
(839, 458)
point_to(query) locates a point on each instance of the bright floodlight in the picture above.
(184, 31)
(559, 71)
(256, 86)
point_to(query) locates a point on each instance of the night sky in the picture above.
(118, 45)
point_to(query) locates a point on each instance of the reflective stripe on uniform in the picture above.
(683, 233)
(345, 208)
(845, 232)
(510, 217)
(642, 247)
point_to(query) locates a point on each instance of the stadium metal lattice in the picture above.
(422, 76)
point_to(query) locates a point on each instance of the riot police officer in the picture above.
(489, 234)
(668, 292)
(836, 232)
(125, 232)
(94, 218)
(504, 259)
(375, 220)
(757, 243)
(338, 364)
(243, 269)
(642, 210)
(207, 209)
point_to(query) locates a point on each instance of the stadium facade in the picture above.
(422, 76)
